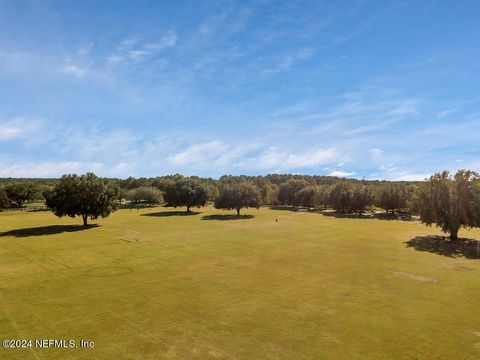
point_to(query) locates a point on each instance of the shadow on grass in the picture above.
(468, 248)
(347, 216)
(171, 213)
(284, 208)
(227, 217)
(46, 230)
(297, 209)
(365, 216)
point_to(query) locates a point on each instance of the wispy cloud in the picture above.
(202, 154)
(277, 158)
(48, 169)
(260, 157)
(340, 173)
(74, 70)
(288, 61)
(133, 49)
(167, 41)
(19, 128)
(376, 152)
(8, 132)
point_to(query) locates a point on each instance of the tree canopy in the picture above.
(186, 192)
(393, 197)
(238, 195)
(307, 196)
(360, 199)
(339, 197)
(87, 196)
(287, 192)
(144, 196)
(4, 200)
(18, 193)
(451, 202)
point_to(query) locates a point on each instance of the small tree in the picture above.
(238, 195)
(361, 198)
(19, 193)
(307, 196)
(87, 196)
(323, 194)
(287, 192)
(269, 194)
(186, 192)
(450, 201)
(212, 192)
(144, 196)
(393, 197)
(340, 197)
(4, 200)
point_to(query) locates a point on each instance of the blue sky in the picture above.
(373, 89)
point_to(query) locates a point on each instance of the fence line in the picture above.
(26, 209)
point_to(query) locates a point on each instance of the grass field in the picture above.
(154, 284)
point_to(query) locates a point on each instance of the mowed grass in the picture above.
(155, 284)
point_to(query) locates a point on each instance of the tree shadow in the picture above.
(346, 215)
(171, 213)
(46, 230)
(227, 217)
(366, 216)
(283, 208)
(337, 214)
(468, 248)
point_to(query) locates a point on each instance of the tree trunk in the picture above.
(85, 219)
(454, 234)
(188, 208)
(238, 211)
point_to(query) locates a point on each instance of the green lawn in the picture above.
(152, 284)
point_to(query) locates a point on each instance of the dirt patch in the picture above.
(107, 271)
(216, 353)
(416, 277)
(460, 267)
(133, 236)
(331, 338)
(320, 308)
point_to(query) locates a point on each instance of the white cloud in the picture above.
(48, 169)
(394, 173)
(74, 70)
(407, 176)
(288, 61)
(85, 49)
(128, 42)
(279, 159)
(136, 51)
(200, 154)
(19, 128)
(114, 59)
(406, 108)
(376, 152)
(227, 157)
(137, 54)
(9, 132)
(341, 173)
(168, 40)
(444, 113)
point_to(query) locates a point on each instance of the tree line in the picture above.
(449, 201)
